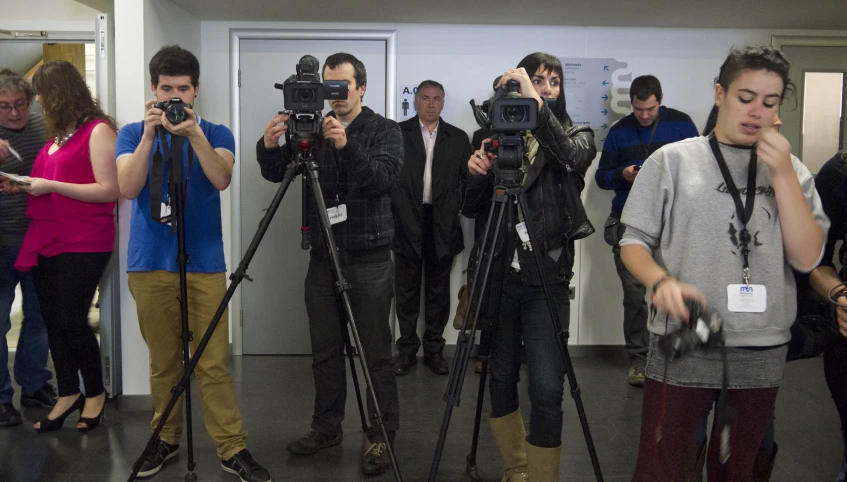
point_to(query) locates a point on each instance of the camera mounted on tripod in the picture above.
(703, 330)
(304, 95)
(174, 109)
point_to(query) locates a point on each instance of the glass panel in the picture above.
(822, 102)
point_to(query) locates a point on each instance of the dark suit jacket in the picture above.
(449, 170)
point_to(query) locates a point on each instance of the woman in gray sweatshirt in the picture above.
(722, 220)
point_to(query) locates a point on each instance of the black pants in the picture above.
(65, 285)
(370, 274)
(835, 370)
(407, 286)
(635, 332)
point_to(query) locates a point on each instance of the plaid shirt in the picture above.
(361, 176)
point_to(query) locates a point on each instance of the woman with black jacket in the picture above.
(557, 157)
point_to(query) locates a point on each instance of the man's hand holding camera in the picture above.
(156, 117)
(274, 129)
(333, 129)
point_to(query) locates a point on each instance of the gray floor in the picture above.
(275, 394)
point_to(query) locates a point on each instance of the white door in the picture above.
(273, 306)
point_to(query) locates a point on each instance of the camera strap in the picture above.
(742, 211)
(159, 175)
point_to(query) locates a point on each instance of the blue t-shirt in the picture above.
(152, 245)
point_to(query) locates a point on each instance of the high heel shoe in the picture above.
(91, 423)
(48, 425)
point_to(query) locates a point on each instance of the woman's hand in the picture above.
(38, 186)
(480, 161)
(775, 151)
(527, 89)
(671, 295)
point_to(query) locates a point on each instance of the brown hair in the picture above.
(66, 98)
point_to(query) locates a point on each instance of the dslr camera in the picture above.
(304, 95)
(174, 109)
(508, 115)
(703, 330)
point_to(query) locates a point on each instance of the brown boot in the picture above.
(510, 435)
(695, 463)
(543, 463)
(763, 466)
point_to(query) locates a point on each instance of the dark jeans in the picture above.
(31, 371)
(407, 286)
(835, 370)
(634, 300)
(675, 415)
(524, 316)
(370, 274)
(66, 285)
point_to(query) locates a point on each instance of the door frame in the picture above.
(236, 35)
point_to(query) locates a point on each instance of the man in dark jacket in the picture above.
(359, 155)
(428, 234)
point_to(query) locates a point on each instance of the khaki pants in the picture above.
(156, 295)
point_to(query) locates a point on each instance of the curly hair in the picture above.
(66, 98)
(756, 57)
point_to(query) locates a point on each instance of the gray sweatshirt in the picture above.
(680, 209)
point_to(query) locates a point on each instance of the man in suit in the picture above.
(428, 233)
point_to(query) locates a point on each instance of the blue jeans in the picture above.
(31, 371)
(524, 317)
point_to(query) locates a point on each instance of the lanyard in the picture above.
(159, 173)
(743, 211)
(646, 147)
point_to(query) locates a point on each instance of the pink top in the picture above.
(59, 224)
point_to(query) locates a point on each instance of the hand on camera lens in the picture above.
(186, 128)
(274, 129)
(481, 162)
(671, 295)
(334, 129)
(152, 118)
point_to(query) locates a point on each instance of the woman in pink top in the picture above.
(73, 189)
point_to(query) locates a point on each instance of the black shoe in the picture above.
(50, 425)
(437, 364)
(45, 396)
(9, 415)
(313, 441)
(375, 460)
(245, 467)
(154, 461)
(403, 363)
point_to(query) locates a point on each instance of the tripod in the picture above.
(507, 189)
(306, 165)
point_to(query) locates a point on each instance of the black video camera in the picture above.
(174, 109)
(703, 330)
(304, 95)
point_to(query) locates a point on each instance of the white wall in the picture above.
(50, 15)
(163, 24)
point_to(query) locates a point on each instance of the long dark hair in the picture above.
(66, 98)
(534, 61)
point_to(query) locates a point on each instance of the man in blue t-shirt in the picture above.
(649, 127)
(207, 159)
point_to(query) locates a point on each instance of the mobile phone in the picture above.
(15, 180)
(637, 168)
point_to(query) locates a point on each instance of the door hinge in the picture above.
(239, 78)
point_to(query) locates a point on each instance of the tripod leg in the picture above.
(562, 341)
(349, 349)
(486, 345)
(236, 278)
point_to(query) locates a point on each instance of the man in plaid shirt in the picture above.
(359, 155)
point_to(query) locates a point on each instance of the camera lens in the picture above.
(175, 113)
(513, 114)
(305, 95)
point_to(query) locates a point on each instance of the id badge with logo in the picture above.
(522, 233)
(337, 214)
(744, 298)
(165, 213)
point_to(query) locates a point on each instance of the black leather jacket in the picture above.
(553, 182)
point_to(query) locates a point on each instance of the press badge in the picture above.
(744, 298)
(521, 229)
(337, 214)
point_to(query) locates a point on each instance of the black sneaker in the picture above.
(43, 397)
(9, 415)
(157, 458)
(246, 468)
(312, 441)
(375, 460)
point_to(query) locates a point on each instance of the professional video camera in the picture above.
(508, 115)
(304, 95)
(704, 329)
(174, 109)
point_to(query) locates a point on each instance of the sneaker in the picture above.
(9, 415)
(375, 459)
(313, 441)
(43, 397)
(154, 461)
(635, 377)
(245, 467)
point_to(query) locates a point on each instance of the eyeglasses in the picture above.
(19, 106)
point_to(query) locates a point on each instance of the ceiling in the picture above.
(747, 14)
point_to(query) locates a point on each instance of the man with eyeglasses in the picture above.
(22, 135)
(427, 229)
